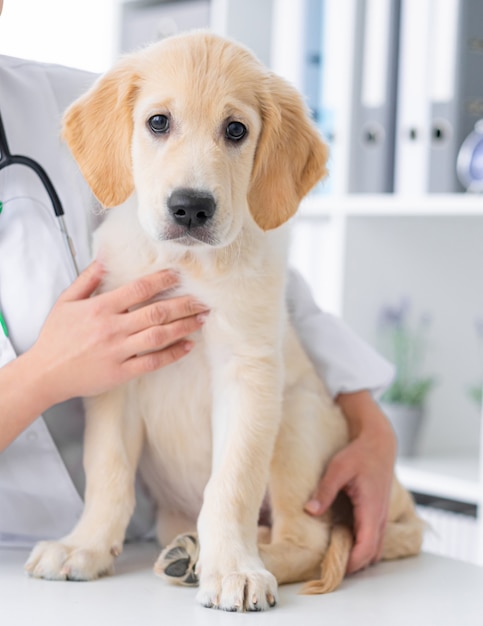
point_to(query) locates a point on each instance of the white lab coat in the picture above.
(40, 473)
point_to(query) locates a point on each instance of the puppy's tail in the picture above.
(334, 565)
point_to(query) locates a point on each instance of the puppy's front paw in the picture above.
(177, 561)
(251, 590)
(55, 560)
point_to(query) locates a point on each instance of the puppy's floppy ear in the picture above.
(290, 157)
(98, 129)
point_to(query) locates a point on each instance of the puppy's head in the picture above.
(205, 135)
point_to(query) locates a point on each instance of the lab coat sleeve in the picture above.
(342, 359)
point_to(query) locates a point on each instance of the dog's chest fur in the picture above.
(175, 406)
(175, 402)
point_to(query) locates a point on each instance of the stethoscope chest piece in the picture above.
(469, 165)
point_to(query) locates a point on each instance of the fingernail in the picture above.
(98, 265)
(171, 276)
(314, 507)
(101, 256)
(199, 307)
(202, 317)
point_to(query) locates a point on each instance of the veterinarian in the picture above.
(59, 341)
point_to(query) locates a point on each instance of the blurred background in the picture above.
(80, 34)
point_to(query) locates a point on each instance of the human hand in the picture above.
(364, 471)
(90, 343)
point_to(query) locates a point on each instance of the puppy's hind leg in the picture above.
(334, 564)
(404, 532)
(312, 430)
(177, 562)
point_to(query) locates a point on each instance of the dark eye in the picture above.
(235, 131)
(159, 124)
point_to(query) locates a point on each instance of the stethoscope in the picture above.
(7, 158)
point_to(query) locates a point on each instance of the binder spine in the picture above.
(371, 168)
(445, 42)
(412, 116)
(338, 31)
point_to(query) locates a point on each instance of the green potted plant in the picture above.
(404, 343)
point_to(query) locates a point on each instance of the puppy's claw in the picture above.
(54, 560)
(116, 551)
(251, 591)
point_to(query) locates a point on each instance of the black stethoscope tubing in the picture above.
(7, 158)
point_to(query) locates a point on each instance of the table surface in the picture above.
(424, 590)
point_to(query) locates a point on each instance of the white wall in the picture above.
(436, 262)
(80, 33)
(86, 33)
(247, 21)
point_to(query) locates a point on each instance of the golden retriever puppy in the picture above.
(220, 152)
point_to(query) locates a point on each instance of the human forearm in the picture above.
(364, 417)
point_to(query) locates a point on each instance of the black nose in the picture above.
(190, 207)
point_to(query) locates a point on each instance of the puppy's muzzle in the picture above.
(191, 208)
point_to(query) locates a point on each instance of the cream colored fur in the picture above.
(245, 410)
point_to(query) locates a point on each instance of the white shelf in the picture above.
(456, 478)
(391, 205)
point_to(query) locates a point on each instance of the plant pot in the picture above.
(406, 422)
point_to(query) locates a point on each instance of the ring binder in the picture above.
(371, 167)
